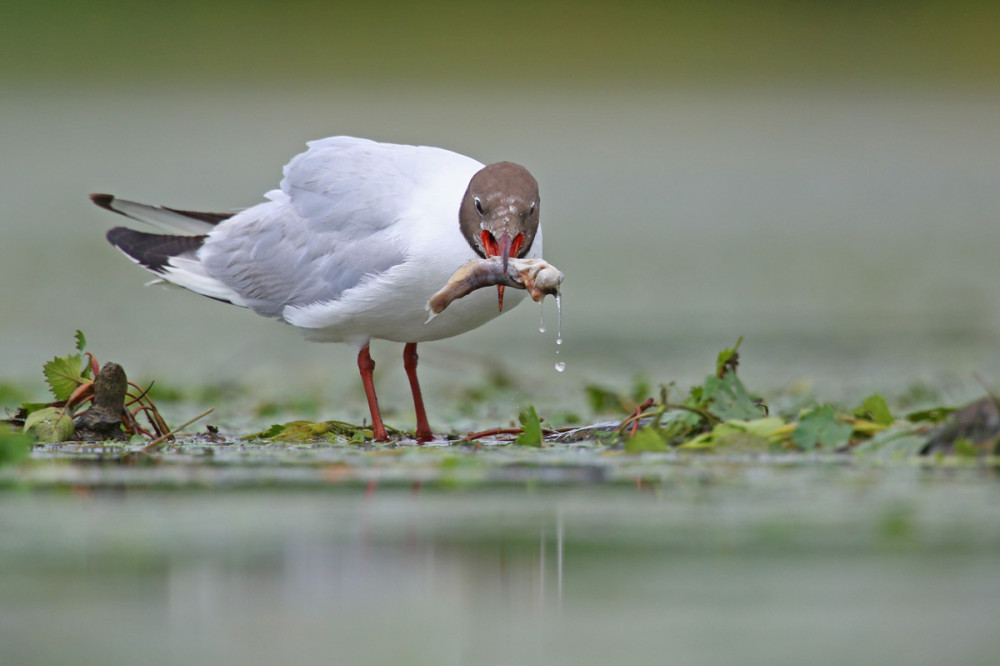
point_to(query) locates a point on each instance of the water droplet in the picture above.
(559, 313)
(560, 366)
(541, 318)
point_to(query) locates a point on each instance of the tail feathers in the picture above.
(153, 251)
(168, 219)
(173, 259)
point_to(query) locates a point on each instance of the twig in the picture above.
(95, 367)
(503, 431)
(153, 416)
(142, 392)
(133, 425)
(491, 432)
(152, 446)
(662, 407)
(705, 414)
(634, 418)
(79, 394)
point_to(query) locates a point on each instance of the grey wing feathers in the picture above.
(326, 230)
(168, 219)
(322, 233)
(273, 262)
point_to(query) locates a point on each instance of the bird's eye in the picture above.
(479, 206)
(532, 211)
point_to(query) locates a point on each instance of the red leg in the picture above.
(424, 433)
(366, 365)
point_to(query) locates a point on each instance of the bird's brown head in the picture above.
(499, 213)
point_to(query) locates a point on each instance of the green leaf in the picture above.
(63, 375)
(965, 448)
(14, 446)
(29, 407)
(646, 440)
(766, 427)
(49, 425)
(679, 425)
(275, 430)
(874, 408)
(696, 398)
(932, 415)
(899, 442)
(746, 434)
(602, 400)
(705, 440)
(605, 400)
(820, 427)
(531, 434)
(81, 341)
(726, 360)
(728, 399)
(296, 432)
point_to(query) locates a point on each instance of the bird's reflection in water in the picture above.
(414, 566)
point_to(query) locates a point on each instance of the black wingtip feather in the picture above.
(152, 250)
(103, 200)
(106, 201)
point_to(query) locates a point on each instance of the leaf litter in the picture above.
(91, 403)
(719, 416)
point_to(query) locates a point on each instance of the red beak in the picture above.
(503, 248)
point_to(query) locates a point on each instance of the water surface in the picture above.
(697, 562)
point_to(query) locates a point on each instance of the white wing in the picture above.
(332, 224)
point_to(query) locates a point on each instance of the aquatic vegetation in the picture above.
(531, 428)
(719, 415)
(15, 447)
(297, 432)
(91, 402)
(722, 415)
(820, 427)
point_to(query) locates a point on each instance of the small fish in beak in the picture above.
(503, 247)
(537, 276)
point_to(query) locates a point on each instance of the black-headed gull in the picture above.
(358, 237)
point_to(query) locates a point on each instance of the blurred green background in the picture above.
(473, 42)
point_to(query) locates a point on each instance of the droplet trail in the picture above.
(558, 318)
